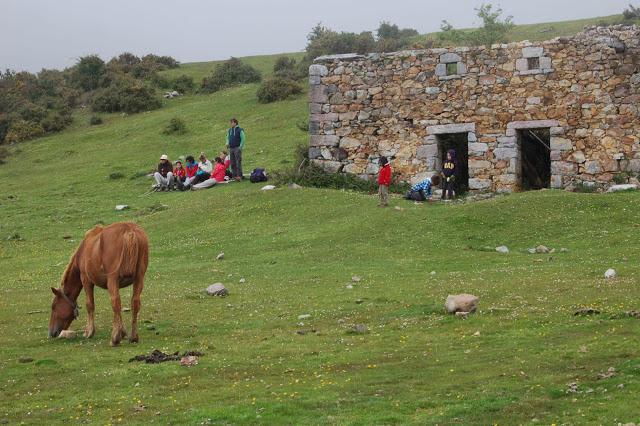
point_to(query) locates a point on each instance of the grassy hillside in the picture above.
(297, 249)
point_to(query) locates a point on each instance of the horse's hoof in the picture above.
(115, 342)
(89, 334)
(133, 339)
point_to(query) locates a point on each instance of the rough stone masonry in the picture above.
(585, 90)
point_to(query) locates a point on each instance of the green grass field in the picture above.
(511, 363)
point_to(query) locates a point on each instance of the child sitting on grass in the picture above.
(423, 190)
(384, 181)
(179, 174)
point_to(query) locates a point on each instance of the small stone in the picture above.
(620, 386)
(220, 256)
(121, 207)
(349, 287)
(608, 374)
(217, 289)
(356, 279)
(542, 249)
(564, 250)
(294, 186)
(126, 309)
(189, 361)
(398, 208)
(304, 316)
(502, 249)
(477, 333)
(532, 251)
(433, 272)
(66, 237)
(623, 187)
(461, 303)
(583, 349)
(25, 359)
(462, 315)
(242, 281)
(268, 188)
(359, 301)
(586, 311)
(610, 274)
(360, 328)
(150, 327)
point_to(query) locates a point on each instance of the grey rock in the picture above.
(121, 207)
(502, 249)
(610, 274)
(624, 187)
(217, 289)
(220, 256)
(360, 329)
(532, 52)
(450, 57)
(294, 186)
(304, 316)
(542, 249)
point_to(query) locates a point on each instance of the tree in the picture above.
(493, 29)
(89, 70)
(631, 13)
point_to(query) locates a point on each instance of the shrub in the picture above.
(88, 72)
(183, 84)
(587, 187)
(305, 173)
(95, 120)
(493, 30)
(277, 89)
(22, 130)
(126, 95)
(230, 73)
(286, 67)
(621, 178)
(631, 13)
(175, 127)
(56, 121)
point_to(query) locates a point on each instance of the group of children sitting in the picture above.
(192, 175)
(422, 191)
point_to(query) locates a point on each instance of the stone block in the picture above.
(505, 153)
(562, 168)
(479, 164)
(462, 68)
(479, 184)
(314, 153)
(634, 165)
(449, 58)
(318, 70)
(318, 94)
(314, 127)
(471, 137)
(532, 52)
(432, 90)
(427, 151)
(315, 108)
(323, 140)
(556, 131)
(556, 182)
(478, 149)
(372, 169)
(532, 124)
(315, 79)
(441, 70)
(545, 63)
(451, 128)
(507, 179)
(579, 157)
(522, 65)
(331, 166)
(349, 143)
(364, 115)
(326, 154)
(507, 142)
(561, 144)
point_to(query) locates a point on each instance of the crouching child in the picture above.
(423, 191)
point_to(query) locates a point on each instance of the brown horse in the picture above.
(111, 257)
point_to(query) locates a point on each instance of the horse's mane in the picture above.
(66, 276)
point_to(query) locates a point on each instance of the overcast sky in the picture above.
(54, 33)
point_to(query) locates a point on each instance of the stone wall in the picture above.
(585, 89)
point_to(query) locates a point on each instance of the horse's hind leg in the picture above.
(118, 332)
(90, 329)
(135, 308)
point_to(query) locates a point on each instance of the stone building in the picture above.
(520, 115)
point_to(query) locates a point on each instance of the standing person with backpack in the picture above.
(235, 143)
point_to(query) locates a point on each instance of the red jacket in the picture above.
(179, 172)
(191, 170)
(219, 172)
(384, 178)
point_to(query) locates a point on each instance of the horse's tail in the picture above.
(130, 253)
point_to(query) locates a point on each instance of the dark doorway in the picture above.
(535, 158)
(460, 143)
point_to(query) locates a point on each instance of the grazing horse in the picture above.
(111, 257)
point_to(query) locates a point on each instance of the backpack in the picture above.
(258, 175)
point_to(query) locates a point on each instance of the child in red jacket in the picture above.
(384, 181)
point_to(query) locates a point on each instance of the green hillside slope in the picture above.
(511, 363)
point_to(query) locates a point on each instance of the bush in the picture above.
(95, 120)
(22, 130)
(621, 178)
(230, 73)
(88, 72)
(286, 67)
(126, 95)
(277, 89)
(631, 13)
(183, 84)
(305, 173)
(175, 127)
(493, 30)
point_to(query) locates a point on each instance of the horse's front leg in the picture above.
(135, 308)
(118, 332)
(90, 329)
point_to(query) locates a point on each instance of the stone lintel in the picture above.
(531, 124)
(451, 128)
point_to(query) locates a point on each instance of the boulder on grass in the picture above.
(217, 289)
(461, 303)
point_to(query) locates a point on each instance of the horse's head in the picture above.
(63, 312)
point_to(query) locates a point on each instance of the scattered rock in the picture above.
(586, 311)
(572, 388)
(242, 281)
(502, 249)
(150, 327)
(610, 274)
(620, 386)
(304, 316)
(433, 272)
(220, 256)
(121, 207)
(477, 333)
(542, 249)
(359, 301)
(360, 329)
(349, 287)
(66, 237)
(356, 279)
(398, 208)
(583, 349)
(532, 250)
(633, 314)
(624, 187)
(564, 250)
(461, 303)
(67, 334)
(189, 361)
(294, 186)
(217, 289)
(268, 187)
(126, 309)
(608, 374)
(25, 359)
